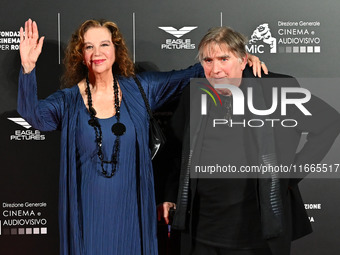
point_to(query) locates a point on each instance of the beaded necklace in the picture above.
(118, 129)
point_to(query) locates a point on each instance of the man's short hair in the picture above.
(235, 41)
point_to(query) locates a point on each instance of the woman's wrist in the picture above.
(26, 69)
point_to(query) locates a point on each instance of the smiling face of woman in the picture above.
(99, 51)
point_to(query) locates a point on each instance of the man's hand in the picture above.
(163, 211)
(30, 45)
(257, 65)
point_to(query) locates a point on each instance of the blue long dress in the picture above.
(104, 222)
(105, 202)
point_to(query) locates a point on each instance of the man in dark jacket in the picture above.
(237, 213)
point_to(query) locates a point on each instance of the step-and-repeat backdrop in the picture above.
(299, 38)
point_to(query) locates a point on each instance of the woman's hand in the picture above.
(257, 65)
(30, 45)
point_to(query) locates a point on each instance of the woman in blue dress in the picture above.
(106, 193)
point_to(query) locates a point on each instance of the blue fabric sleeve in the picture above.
(161, 86)
(44, 115)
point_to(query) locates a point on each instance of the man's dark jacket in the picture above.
(322, 127)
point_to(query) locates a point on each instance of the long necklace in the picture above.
(118, 129)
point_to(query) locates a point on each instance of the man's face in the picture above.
(220, 63)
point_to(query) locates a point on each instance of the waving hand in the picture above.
(30, 45)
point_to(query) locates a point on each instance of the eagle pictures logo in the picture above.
(27, 134)
(178, 44)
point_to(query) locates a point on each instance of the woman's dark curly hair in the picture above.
(75, 70)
